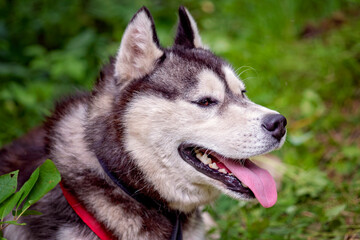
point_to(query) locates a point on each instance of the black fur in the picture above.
(185, 34)
(25, 154)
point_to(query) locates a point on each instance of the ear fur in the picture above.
(139, 48)
(187, 34)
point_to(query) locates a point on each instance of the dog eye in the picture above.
(206, 102)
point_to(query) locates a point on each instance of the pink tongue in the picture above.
(261, 183)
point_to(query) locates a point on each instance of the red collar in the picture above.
(87, 217)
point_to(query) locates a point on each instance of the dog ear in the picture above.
(187, 34)
(139, 48)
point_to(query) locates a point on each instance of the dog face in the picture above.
(188, 124)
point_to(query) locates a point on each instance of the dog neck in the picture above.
(173, 215)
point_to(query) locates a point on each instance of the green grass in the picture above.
(51, 49)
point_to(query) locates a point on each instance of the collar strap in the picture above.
(87, 217)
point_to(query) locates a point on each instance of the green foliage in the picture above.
(8, 183)
(41, 181)
(50, 48)
(48, 178)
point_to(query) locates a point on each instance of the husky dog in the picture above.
(164, 131)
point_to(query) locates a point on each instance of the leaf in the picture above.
(49, 177)
(311, 182)
(8, 184)
(29, 212)
(8, 205)
(28, 185)
(13, 222)
(335, 211)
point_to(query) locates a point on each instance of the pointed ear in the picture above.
(139, 48)
(187, 34)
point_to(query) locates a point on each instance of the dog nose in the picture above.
(275, 125)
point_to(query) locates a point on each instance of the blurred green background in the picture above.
(300, 57)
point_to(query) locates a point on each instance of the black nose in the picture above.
(275, 125)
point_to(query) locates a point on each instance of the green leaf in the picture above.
(8, 184)
(28, 212)
(28, 185)
(9, 204)
(13, 222)
(49, 177)
(335, 211)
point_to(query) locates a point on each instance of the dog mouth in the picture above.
(239, 175)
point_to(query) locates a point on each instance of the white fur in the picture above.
(235, 85)
(196, 231)
(15, 232)
(71, 127)
(73, 233)
(209, 85)
(137, 52)
(120, 222)
(101, 105)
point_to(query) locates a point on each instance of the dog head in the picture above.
(186, 121)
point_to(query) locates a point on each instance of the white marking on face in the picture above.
(209, 85)
(234, 83)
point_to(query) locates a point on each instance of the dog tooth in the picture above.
(223, 170)
(207, 160)
(203, 161)
(244, 185)
(231, 174)
(213, 166)
(199, 156)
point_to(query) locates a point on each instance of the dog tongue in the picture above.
(261, 183)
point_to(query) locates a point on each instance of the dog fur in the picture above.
(147, 101)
